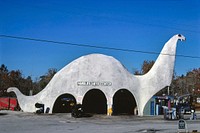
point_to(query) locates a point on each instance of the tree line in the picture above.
(26, 85)
(183, 84)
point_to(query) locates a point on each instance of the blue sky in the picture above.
(128, 24)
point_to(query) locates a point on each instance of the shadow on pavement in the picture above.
(3, 113)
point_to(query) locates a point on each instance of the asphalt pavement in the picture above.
(21, 122)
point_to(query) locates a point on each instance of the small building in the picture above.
(155, 105)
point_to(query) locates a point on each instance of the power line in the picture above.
(93, 46)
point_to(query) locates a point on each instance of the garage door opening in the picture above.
(95, 102)
(64, 104)
(123, 103)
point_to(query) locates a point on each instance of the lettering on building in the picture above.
(94, 83)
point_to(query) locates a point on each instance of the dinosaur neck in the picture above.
(163, 68)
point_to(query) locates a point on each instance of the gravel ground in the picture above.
(20, 122)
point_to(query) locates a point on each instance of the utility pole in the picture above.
(168, 90)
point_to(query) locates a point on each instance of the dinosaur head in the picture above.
(181, 37)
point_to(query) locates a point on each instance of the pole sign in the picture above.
(182, 126)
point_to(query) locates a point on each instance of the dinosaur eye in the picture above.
(179, 35)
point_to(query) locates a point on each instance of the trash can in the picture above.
(181, 113)
(166, 113)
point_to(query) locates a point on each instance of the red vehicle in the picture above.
(8, 103)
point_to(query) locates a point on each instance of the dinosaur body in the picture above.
(97, 71)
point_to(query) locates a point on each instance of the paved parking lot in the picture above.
(20, 122)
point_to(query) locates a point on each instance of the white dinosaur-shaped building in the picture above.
(108, 77)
